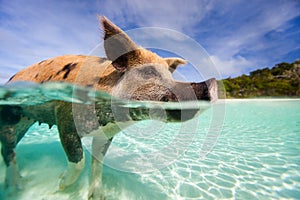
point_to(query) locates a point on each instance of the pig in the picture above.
(129, 72)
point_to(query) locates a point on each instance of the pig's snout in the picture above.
(182, 91)
(207, 90)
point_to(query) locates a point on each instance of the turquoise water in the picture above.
(256, 155)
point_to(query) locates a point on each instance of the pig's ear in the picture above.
(174, 62)
(119, 48)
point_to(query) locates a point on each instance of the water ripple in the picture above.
(257, 157)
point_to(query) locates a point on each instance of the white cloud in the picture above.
(232, 66)
(35, 30)
(157, 13)
(229, 29)
(240, 42)
(4, 78)
(233, 32)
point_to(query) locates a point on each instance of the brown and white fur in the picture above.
(128, 72)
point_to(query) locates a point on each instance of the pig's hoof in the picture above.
(96, 191)
(12, 187)
(12, 179)
(66, 180)
(71, 174)
(96, 196)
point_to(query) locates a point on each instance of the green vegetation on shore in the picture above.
(283, 80)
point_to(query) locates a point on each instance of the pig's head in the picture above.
(147, 76)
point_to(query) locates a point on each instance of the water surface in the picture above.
(257, 156)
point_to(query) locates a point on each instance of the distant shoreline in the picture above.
(280, 81)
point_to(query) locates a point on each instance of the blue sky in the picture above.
(238, 35)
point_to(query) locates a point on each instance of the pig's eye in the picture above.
(149, 72)
(164, 99)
